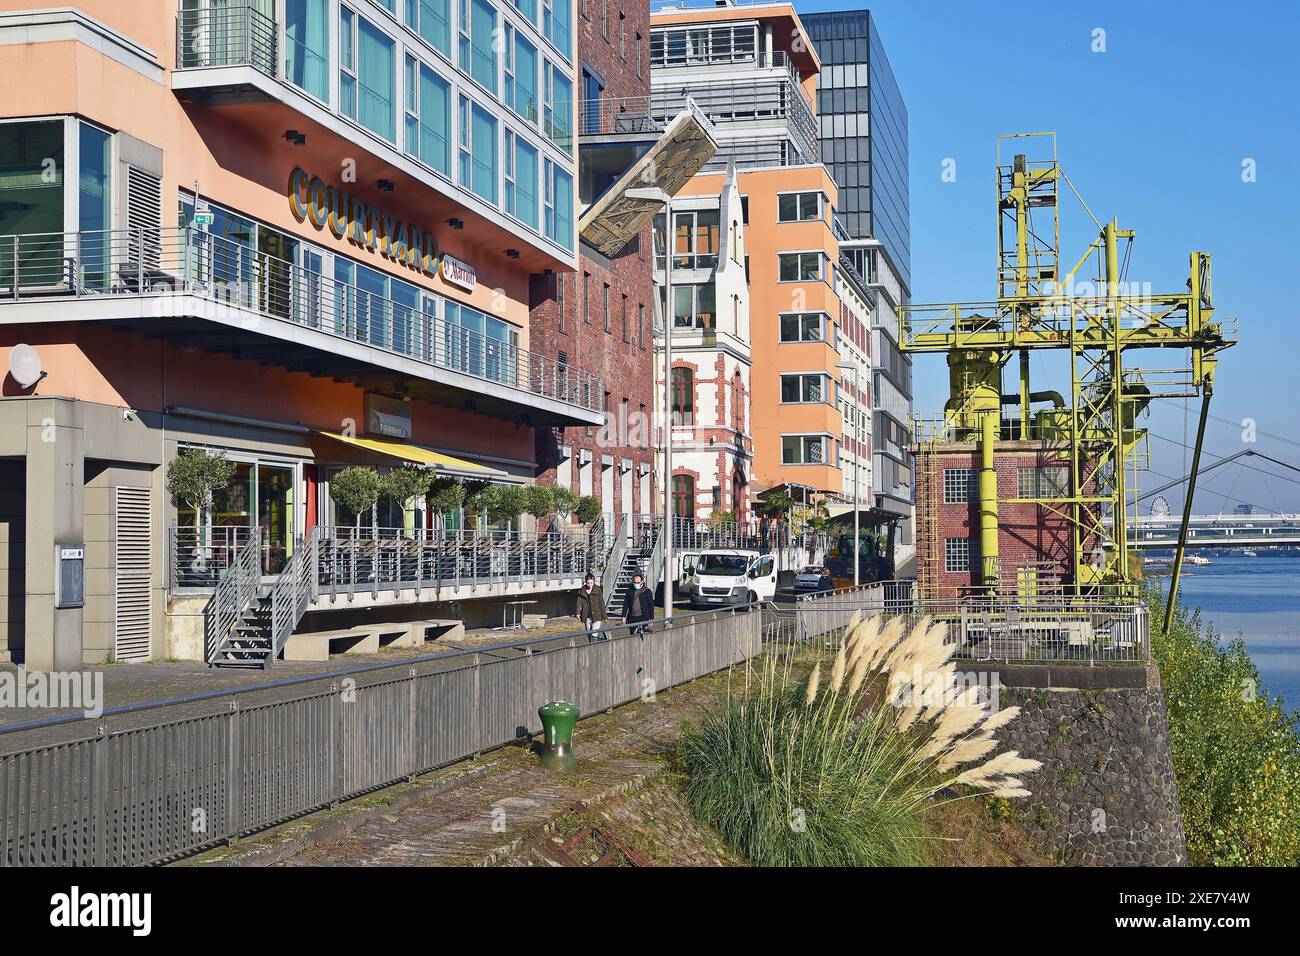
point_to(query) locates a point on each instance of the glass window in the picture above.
(803, 449)
(958, 485)
(521, 75)
(803, 388)
(428, 116)
(801, 327)
(683, 410)
(559, 205)
(798, 207)
(557, 24)
(306, 46)
(521, 179)
(478, 150)
(558, 107)
(432, 20)
(478, 50)
(367, 79)
(956, 555)
(528, 8)
(800, 266)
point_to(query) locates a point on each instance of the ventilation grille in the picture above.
(144, 215)
(131, 547)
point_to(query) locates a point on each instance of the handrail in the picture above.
(654, 570)
(294, 591)
(609, 576)
(234, 594)
(226, 36)
(174, 262)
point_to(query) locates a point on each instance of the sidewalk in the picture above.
(617, 806)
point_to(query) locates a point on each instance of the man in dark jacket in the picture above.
(638, 605)
(591, 606)
(825, 583)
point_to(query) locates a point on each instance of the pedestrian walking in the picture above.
(591, 607)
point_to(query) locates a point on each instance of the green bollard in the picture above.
(558, 720)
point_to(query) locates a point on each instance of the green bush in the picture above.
(194, 475)
(587, 509)
(356, 488)
(1236, 753)
(538, 500)
(790, 776)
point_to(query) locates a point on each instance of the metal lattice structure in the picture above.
(1109, 331)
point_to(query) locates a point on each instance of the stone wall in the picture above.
(1105, 795)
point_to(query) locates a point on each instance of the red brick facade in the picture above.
(1030, 535)
(606, 329)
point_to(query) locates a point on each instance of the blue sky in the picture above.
(1154, 130)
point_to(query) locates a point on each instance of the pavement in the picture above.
(619, 806)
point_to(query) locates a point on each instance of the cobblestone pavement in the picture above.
(506, 809)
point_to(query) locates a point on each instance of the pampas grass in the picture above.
(796, 773)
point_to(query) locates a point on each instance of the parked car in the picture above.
(808, 580)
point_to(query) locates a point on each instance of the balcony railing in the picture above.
(226, 36)
(385, 559)
(180, 261)
(745, 102)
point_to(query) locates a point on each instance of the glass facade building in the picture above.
(863, 131)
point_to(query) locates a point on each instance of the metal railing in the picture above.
(226, 36)
(196, 557)
(383, 559)
(294, 590)
(1004, 627)
(234, 594)
(127, 792)
(750, 101)
(232, 278)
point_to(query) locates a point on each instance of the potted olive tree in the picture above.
(193, 477)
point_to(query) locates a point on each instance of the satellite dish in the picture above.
(25, 365)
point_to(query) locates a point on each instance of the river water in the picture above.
(1258, 599)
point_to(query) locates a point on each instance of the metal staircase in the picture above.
(635, 561)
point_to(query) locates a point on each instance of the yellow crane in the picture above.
(1107, 329)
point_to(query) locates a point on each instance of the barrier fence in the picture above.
(123, 790)
(1011, 628)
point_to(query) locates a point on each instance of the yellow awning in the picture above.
(440, 462)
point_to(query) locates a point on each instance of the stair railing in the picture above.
(614, 562)
(293, 591)
(234, 594)
(654, 570)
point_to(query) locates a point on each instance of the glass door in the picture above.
(276, 505)
(309, 279)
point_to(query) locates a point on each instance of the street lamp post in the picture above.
(655, 194)
(857, 466)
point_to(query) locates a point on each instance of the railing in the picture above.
(128, 788)
(294, 591)
(226, 36)
(618, 551)
(384, 559)
(1004, 627)
(234, 594)
(744, 102)
(233, 278)
(196, 557)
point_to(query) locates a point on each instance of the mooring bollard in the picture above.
(558, 720)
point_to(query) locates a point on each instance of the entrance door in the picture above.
(275, 514)
(607, 489)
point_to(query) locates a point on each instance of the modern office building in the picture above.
(299, 234)
(751, 70)
(863, 137)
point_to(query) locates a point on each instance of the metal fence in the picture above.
(226, 36)
(159, 788)
(233, 279)
(1011, 628)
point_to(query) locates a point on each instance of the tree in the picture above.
(356, 488)
(776, 504)
(505, 503)
(587, 509)
(403, 484)
(193, 476)
(477, 493)
(566, 501)
(445, 495)
(538, 500)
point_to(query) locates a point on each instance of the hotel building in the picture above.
(302, 234)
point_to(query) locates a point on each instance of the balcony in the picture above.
(226, 37)
(217, 293)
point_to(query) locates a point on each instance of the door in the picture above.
(309, 286)
(607, 489)
(276, 505)
(764, 582)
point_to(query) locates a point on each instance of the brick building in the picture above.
(1034, 537)
(601, 316)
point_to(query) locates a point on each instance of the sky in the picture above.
(1154, 129)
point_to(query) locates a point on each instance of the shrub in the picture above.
(194, 475)
(843, 775)
(538, 500)
(445, 495)
(566, 500)
(403, 484)
(1236, 753)
(356, 488)
(504, 503)
(587, 509)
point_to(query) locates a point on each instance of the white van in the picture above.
(727, 578)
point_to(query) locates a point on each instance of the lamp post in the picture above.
(857, 465)
(655, 194)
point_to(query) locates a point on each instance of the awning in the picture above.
(441, 463)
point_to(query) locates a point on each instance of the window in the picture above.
(626, 336)
(622, 35)
(521, 179)
(1049, 481)
(638, 55)
(956, 555)
(428, 116)
(528, 8)
(478, 150)
(605, 306)
(367, 67)
(557, 106)
(306, 46)
(431, 19)
(803, 388)
(640, 325)
(559, 205)
(695, 239)
(959, 485)
(683, 396)
(586, 298)
(557, 24)
(683, 496)
(521, 75)
(478, 52)
(557, 282)
(802, 327)
(800, 266)
(692, 46)
(592, 88)
(803, 449)
(694, 306)
(798, 207)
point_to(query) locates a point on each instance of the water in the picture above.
(1257, 599)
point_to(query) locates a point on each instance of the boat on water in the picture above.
(1249, 553)
(1196, 561)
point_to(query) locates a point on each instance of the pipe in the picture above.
(1056, 398)
(989, 501)
(1187, 507)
